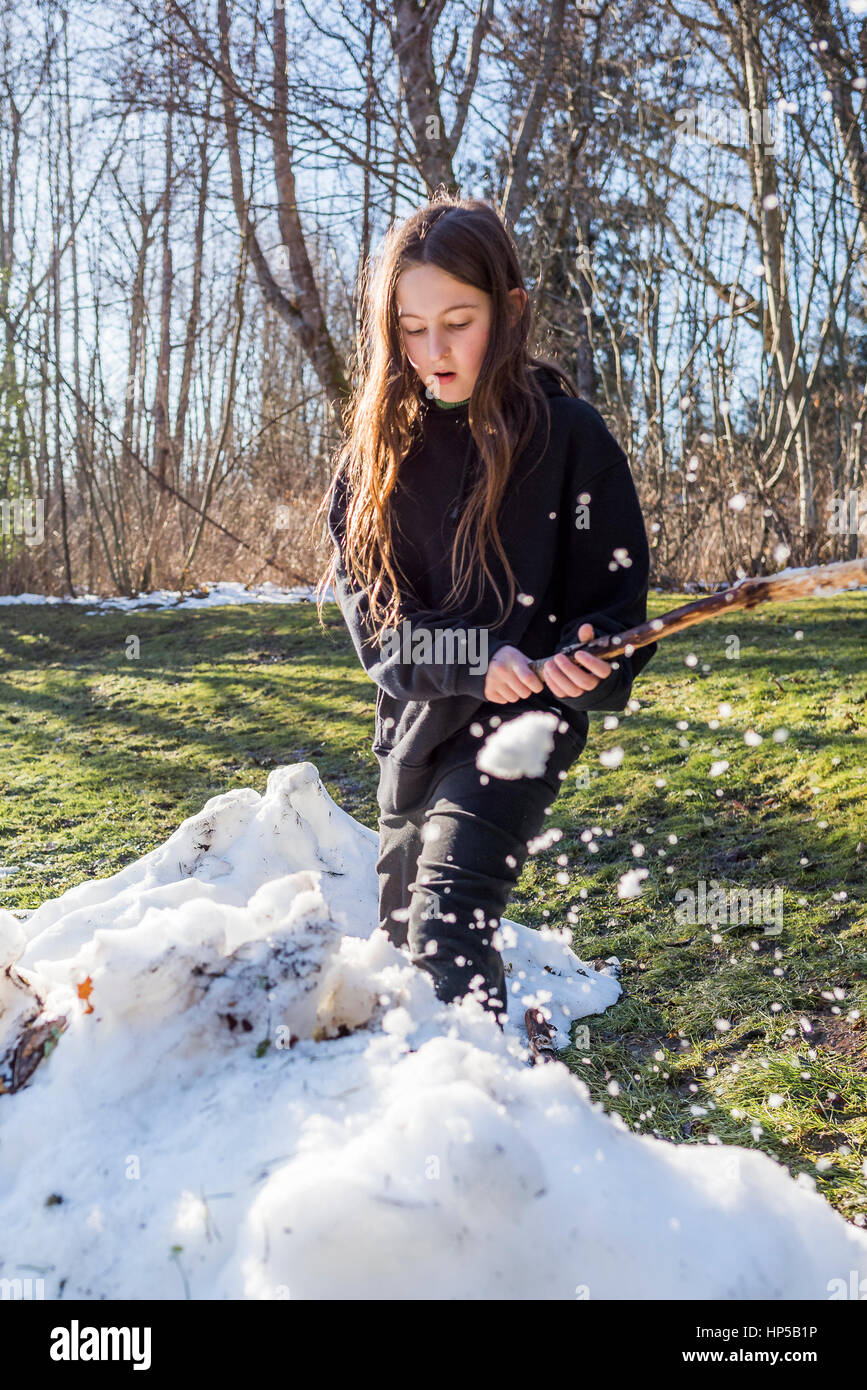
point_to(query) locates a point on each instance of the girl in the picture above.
(477, 501)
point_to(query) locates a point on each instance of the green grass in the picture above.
(104, 753)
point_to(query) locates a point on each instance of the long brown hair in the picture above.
(466, 238)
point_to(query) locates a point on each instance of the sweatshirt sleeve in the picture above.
(404, 680)
(607, 559)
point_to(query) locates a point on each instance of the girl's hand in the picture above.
(573, 675)
(509, 677)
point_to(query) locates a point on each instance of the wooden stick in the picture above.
(818, 580)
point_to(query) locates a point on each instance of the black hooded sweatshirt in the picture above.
(572, 528)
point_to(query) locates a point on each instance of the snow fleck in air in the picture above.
(520, 747)
(691, 659)
(629, 885)
(718, 768)
(799, 635)
(725, 709)
(638, 849)
(752, 738)
(780, 735)
(775, 1100)
(526, 599)
(738, 502)
(544, 841)
(611, 757)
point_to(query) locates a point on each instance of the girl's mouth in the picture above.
(444, 376)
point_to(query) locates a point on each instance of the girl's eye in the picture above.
(414, 332)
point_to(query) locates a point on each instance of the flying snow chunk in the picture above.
(611, 757)
(520, 747)
(629, 885)
(718, 768)
(738, 502)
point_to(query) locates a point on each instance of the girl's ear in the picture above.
(518, 297)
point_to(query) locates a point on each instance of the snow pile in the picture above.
(520, 747)
(216, 594)
(255, 1095)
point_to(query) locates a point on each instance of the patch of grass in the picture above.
(115, 727)
(725, 1031)
(729, 1031)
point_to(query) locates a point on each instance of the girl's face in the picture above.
(445, 325)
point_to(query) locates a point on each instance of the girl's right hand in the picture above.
(510, 677)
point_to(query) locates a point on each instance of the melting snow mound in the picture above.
(219, 1079)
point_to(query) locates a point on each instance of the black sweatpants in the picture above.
(449, 862)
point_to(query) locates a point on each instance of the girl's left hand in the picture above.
(576, 674)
